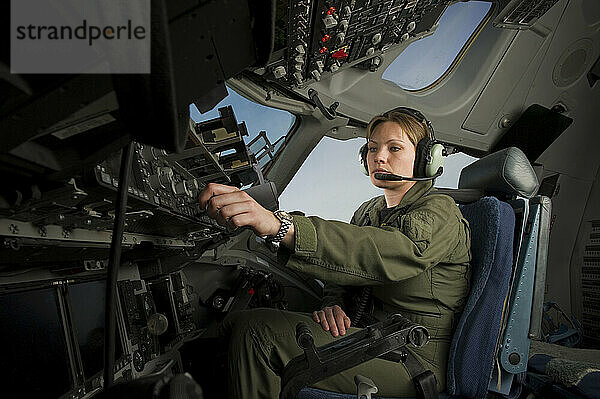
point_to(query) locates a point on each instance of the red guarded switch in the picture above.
(340, 54)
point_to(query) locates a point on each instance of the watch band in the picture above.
(286, 222)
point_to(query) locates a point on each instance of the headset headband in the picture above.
(415, 114)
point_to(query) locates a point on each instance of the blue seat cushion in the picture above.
(473, 346)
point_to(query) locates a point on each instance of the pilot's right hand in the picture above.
(332, 319)
(232, 207)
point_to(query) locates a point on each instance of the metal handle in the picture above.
(328, 113)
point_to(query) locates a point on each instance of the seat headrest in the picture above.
(505, 172)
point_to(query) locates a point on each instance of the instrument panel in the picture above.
(54, 335)
(317, 38)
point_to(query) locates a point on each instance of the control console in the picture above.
(163, 190)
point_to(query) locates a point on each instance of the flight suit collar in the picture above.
(418, 190)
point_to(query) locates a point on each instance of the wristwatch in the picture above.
(286, 221)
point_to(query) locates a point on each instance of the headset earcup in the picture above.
(436, 160)
(362, 154)
(429, 158)
(421, 155)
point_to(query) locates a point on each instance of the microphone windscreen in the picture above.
(389, 177)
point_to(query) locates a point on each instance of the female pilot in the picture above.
(410, 245)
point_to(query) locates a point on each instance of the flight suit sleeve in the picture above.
(364, 255)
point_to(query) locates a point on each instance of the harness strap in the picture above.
(424, 380)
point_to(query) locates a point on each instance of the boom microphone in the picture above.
(393, 177)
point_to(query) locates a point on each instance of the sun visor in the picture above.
(536, 129)
(506, 172)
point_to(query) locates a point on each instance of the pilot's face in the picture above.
(390, 151)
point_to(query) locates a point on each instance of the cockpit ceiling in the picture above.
(500, 74)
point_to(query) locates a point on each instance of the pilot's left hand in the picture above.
(233, 208)
(332, 319)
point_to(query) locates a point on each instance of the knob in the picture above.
(329, 21)
(298, 77)
(376, 38)
(370, 51)
(339, 39)
(298, 67)
(278, 72)
(218, 302)
(158, 324)
(159, 181)
(316, 74)
(404, 37)
(181, 189)
(320, 66)
(411, 26)
(299, 58)
(334, 67)
(344, 25)
(192, 185)
(304, 336)
(346, 12)
(300, 49)
(165, 170)
(375, 63)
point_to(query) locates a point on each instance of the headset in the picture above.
(429, 153)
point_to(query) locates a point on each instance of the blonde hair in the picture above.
(414, 130)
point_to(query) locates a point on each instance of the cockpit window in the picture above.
(423, 62)
(333, 176)
(453, 165)
(266, 126)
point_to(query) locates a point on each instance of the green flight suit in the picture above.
(417, 261)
